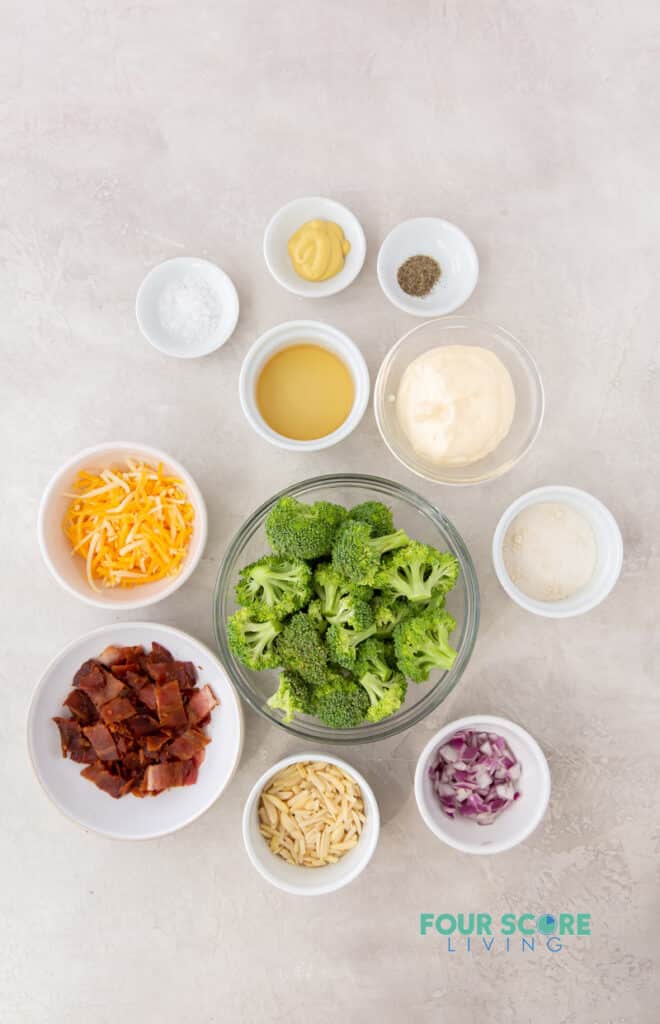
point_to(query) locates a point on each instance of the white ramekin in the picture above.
(608, 542)
(290, 333)
(518, 821)
(69, 569)
(300, 881)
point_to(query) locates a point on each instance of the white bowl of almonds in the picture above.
(311, 824)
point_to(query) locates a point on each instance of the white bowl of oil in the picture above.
(304, 385)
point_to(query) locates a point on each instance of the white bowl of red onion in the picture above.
(482, 784)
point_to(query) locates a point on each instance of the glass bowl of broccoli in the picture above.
(346, 608)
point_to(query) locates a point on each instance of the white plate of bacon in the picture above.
(134, 730)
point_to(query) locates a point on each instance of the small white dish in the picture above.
(69, 568)
(292, 333)
(286, 222)
(129, 817)
(609, 546)
(448, 246)
(301, 881)
(515, 823)
(220, 297)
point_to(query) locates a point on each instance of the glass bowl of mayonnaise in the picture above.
(458, 400)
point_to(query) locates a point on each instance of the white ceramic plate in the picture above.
(286, 222)
(518, 821)
(130, 817)
(175, 271)
(69, 569)
(445, 243)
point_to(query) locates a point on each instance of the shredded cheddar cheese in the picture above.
(131, 526)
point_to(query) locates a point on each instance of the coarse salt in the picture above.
(189, 310)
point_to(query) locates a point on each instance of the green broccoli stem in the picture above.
(373, 685)
(390, 542)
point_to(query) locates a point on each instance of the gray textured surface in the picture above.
(136, 131)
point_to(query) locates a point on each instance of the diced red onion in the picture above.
(475, 775)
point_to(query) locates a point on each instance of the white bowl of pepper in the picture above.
(427, 267)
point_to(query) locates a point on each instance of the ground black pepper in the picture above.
(418, 275)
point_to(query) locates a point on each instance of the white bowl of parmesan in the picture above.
(557, 551)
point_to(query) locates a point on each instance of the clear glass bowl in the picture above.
(461, 330)
(420, 520)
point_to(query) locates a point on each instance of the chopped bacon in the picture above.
(137, 721)
(143, 725)
(100, 685)
(74, 744)
(147, 694)
(159, 653)
(117, 710)
(188, 744)
(155, 741)
(101, 739)
(111, 784)
(201, 705)
(81, 707)
(171, 712)
(165, 776)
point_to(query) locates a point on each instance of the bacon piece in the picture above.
(111, 784)
(117, 710)
(100, 685)
(101, 739)
(201, 705)
(74, 744)
(158, 653)
(88, 672)
(110, 656)
(155, 741)
(81, 707)
(188, 744)
(147, 694)
(171, 712)
(165, 776)
(142, 725)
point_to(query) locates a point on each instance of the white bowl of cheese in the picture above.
(70, 569)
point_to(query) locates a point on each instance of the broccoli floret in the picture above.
(374, 514)
(315, 612)
(303, 531)
(340, 702)
(386, 697)
(417, 572)
(300, 648)
(421, 643)
(275, 586)
(292, 695)
(356, 553)
(388, 611)
(342, 643)
(252, 639)
(331, 587)
(372, 659)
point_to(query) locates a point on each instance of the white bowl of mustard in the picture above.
(304, 385)
(314, 247)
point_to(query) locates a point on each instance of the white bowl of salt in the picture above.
(187, 307)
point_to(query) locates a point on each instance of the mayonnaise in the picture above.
(455, 404)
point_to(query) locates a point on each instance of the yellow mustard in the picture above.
(318, 250)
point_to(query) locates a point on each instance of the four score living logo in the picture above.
(479, 933)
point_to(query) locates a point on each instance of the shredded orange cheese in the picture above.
(131, 526)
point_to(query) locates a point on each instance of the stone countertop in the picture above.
(131, 133)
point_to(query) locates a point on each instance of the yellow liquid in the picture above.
(304, 392)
